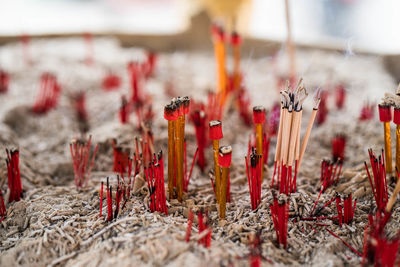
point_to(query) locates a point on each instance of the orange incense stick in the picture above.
(236, 41)
(385, 116)
(259, 119)
(171, 114)
(219, 51)
(179, 144)
(215, 136)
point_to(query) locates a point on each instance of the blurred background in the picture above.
(364, 25)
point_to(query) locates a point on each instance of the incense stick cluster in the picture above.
(273, 121)
(338, 147)
(378, 250)
(345, 213)
(280, 217)
(367, 112)
(111, 213)
(14, 175)
(288, 152)
(140, 102)
(205, 230)
(48, 94)
(121, 157)
(323, 109)
(255, 246)
(178, 178)
(124, 110)
(330, 173)
(111, 81)
(80, 154)
(155, 181)
(4, 81)
(199, 119)
(254, 178)
(3, 210)
(340, 96)
(378, 183)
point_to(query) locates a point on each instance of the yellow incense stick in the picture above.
(388, 150)
(217, 170)
(171, 145)
(398, 146)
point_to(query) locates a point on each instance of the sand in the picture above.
(57, 224)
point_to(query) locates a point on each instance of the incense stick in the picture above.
(224, 160)
(317, 99)
(215, 135)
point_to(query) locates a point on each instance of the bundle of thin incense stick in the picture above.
(288, 149)
(175, 114)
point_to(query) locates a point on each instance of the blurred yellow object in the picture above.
(228, 10)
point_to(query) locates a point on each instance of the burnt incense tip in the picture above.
(225, 156)
(236, 39)
(385, 112)
(317, 98)
(258, 114)
(186, 104)
(170, 112)
(215, 130)
(217, 32)
(178, 101)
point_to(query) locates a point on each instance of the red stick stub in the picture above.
(225, 156)
(186, 104)
(385, 113)
(236, 39)
(258, 114)
(215, 130)
(4, 81)
(396, 116)
(217, 33)
(170, 112)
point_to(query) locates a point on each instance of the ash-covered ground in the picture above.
(56, 224)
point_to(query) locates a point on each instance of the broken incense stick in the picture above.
(224, 161)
